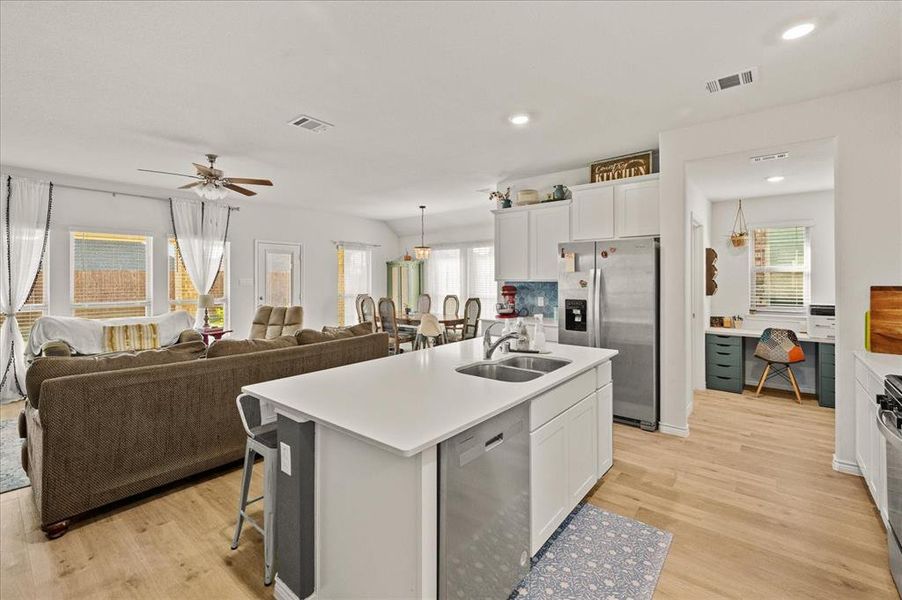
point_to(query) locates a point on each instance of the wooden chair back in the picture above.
(472, 308)
(451, 305)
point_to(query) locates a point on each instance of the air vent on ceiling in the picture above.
(746, 77)
(310, 124)
(769, 157)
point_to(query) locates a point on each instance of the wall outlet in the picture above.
(540, 300)
(285, 458)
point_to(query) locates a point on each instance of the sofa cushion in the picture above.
(271, 322)
(230, 347)
(52, 367)
(132, 336)
(355, 330)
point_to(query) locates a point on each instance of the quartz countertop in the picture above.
(881, 364)
(756, 333)
(415, 400)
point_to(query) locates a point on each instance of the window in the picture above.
(110, 274)
(443, 276)
(183, 294)
(354, 277)
(467, 271)
(36, 304)
(481, 277)
(780, 269)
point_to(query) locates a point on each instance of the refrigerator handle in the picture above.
(590, 310)
(596, 303)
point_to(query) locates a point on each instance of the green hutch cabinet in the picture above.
(405, 282)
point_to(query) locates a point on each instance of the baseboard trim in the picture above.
(845, 466)
(282, 592)
(673, 430)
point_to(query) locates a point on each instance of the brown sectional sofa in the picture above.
(103, 429)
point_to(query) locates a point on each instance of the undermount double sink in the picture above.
(515, 368)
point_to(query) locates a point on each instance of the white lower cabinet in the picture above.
(548, 480)
(870, 446)
(605, 397)
(582, 448)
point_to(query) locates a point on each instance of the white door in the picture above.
(605, 429)
(697, 268)
(636, 209)
(512, 245)
(278, 273)
(592, 213)
(548, 227)
(582, 451)
(548, 480)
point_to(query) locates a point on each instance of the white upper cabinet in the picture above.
(511, 245)
(548, 227)
(592, 213)
(636, 209)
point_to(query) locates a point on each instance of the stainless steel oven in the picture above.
(889, 420)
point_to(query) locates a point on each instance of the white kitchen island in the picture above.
(358, 506)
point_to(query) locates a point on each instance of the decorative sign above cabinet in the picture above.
(622, 167)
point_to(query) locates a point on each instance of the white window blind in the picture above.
(110, 274)
(780, 269)
(481, 277)
(354, 278)
(443, 276)
(183, 294)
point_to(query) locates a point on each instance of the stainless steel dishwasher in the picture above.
(484, 508)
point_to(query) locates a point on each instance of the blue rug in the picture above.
(12, 477)
(595, 554)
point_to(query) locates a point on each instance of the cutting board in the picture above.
(886, 319)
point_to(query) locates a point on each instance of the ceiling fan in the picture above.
(212, 184)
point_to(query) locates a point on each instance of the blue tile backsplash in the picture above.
(528, 293)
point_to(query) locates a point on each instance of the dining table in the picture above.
(411, 321)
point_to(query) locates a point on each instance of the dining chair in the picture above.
(779, 348)
(357, 304)
(389, 322)
(451, 308)
(368, 311)
(424, 304)
(472, 309)
(429, 332)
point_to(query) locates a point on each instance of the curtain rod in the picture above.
(114, 194)
(344, 243)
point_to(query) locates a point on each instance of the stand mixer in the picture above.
(507, 308)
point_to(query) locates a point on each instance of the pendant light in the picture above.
(422, 251)
(740, 233)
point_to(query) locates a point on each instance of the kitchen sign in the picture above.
(622, 167)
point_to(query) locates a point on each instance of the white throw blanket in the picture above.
(85, 336)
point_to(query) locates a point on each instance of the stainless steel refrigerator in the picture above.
(608, 298)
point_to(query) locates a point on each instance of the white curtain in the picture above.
(24, 222)
(200, 231)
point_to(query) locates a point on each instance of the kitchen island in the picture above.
(358, 488)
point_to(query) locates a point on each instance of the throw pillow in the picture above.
(137, 336)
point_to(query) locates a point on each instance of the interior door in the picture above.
(278, 273)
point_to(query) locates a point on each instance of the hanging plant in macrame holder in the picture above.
(740, 234)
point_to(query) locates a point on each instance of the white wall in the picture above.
(73, 209)
(478, 232)
(865, 126)
(816, 208)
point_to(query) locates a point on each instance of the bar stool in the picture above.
(262, 440)
(779, 348)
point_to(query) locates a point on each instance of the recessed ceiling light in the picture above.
(775, 179)
(794, 33)
(520, 119)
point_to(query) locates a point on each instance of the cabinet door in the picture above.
(512, 245)
(592, 214)
(605, 429)
(875, 438)
(582, 448)
(636, 209)
(548, 480)
(862, 441)
(548, 227)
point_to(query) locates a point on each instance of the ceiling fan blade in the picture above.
(205, 171)
(249, 181)
(190, 185)
(240, 190)
(170, 173)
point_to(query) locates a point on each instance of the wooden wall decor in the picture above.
(886, 319)
(710, 271)
(623, 167)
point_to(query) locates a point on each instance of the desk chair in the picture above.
(779, 348)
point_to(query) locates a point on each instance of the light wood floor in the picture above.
(755, 509)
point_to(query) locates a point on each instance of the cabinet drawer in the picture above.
(603, 375)
(724, 340)
(554, 402)
(724, 357)
(734, 371)
(827, 370)
(826, 384)
(726, 384)
(826, 352)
